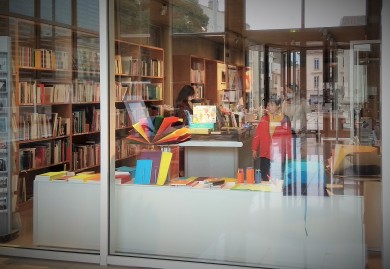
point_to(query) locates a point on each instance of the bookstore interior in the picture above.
(274, 161)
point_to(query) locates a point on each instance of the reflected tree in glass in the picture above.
(188, 17)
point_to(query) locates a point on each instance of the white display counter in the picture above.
(214, 225)
(66, 214)
(215, 158)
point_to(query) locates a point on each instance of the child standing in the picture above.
(272, 138)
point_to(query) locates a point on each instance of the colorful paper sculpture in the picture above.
(159, 130)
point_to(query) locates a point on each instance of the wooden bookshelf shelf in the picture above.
(31, 141)
(38, 169)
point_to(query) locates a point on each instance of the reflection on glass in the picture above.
(133, 18)
(88, 14)
(268, 14)
(215, 11)
(320, 13)
(62, 10)
(189, 17)
(23, 7)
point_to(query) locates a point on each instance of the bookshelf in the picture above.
(212, 80)
(189, 70)
(234, 87)
(139, 87)
(55, 100)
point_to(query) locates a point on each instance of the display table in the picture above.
(211, 225)
(216, 158)
(245, 227)
(66, 214)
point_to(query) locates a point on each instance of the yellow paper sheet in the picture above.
(141, 131)
(175, 134)
(54, 175)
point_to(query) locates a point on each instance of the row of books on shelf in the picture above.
(86, 155)
(199, 91)
(87, 60)
(197, 76)
(152, 68)
(44, 154)
(230, 96)
(197, 66)
(121, 89)
(136, 91)
(124, 148)
(126, 65)
(32, 92)
(231, 119)
(41, 125)
(122, 119)
(44, 58)
(86, 120)
(86, 91)
(234, 79)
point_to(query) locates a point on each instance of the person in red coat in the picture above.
(272, 138)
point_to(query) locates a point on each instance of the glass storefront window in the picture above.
(239, 132)
(239, 72)
(50, 127)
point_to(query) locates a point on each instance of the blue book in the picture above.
(155, 156)
(143, 171)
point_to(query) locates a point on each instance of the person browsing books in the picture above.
(183, 102)
(272, 139)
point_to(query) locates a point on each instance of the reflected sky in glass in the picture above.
(268, 14)
(286, 14)
(329, 13)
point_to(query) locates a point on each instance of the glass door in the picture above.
(364, 92)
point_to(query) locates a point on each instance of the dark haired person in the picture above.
(272, 138)
(183, 102)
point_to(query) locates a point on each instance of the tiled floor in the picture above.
(374, 262)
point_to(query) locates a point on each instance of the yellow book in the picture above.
(52, 175)
(182, 181)
(166, 158)
(199, 131)
(82, 177)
